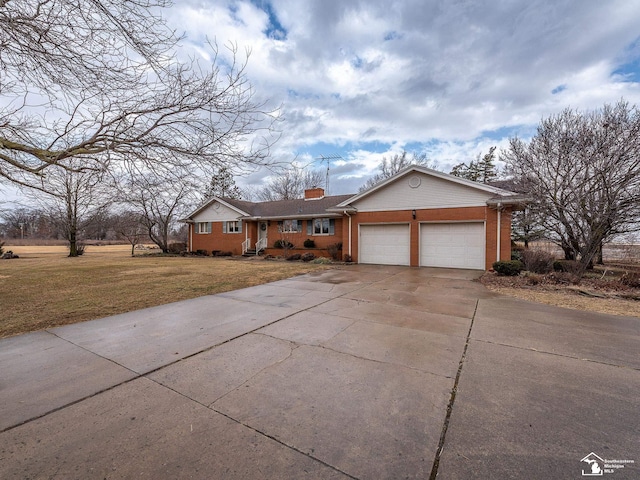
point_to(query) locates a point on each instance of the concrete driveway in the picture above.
(359, 372)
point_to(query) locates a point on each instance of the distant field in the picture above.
(614, 252)
(44, 288)
(38, 250)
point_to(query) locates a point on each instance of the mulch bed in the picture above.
(604, 282)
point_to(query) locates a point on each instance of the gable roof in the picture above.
(211, 201)
(498, 193)
(279, 209)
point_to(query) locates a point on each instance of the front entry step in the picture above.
(251, 253)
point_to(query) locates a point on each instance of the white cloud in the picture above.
(440, 74)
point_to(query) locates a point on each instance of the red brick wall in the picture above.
(232, 242)
(313, 193)
(322, 241)
(216, 240)
(505, 242)
(437, 215)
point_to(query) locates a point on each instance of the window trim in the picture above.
(232, 226)
(203, 228)
(295, 226)
(330, 226)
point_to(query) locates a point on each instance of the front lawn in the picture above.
(44, 288)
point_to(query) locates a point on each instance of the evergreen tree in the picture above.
(223, 185)
(482, 170)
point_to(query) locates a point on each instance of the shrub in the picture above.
(295, 256)
(533, 278)
(223, 254)
(308, 243)
(516, 251)
(282, 244)
(538, 261)
(334, 250)
(567, 266)
(307, 257)
(321, 260)
(631, 279)
(509, 268)
(177, 247)
(202, 252)
(80, 247)
(347, 258)
(564, 278)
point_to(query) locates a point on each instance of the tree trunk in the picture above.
(569, 254)
(599, 259)
(73, 244)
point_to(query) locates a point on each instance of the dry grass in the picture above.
(606, 296)
(44, 288)
(569, 299)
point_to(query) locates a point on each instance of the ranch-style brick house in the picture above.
(418, 217)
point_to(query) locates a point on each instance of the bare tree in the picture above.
(291, 184)
(130, 226)
(23, 222)
(74, 198)
(583, 171)
(391, 166)
(159, 202)
(88, 85)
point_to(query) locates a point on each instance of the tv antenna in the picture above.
(328, 158)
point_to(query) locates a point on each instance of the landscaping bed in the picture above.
(604, 289)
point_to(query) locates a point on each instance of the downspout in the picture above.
(347, 214)
(499, 231)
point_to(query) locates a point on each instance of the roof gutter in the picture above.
(258, 218)
(349, 216)
(499, 232)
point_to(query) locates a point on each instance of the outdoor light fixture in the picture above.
(413, 213)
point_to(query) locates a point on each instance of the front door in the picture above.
(262, 234)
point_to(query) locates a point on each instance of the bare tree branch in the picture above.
(291, 183)
(583, 170)
(89, 85)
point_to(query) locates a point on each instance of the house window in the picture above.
(290, 226)
(204, 227)
(321, 226)
(232, 227)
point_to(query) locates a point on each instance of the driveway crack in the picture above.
(452, 399)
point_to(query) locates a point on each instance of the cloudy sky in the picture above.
(367, 79)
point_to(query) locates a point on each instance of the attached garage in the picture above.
(385, 244)
(453, 245)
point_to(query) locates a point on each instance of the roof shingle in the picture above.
(288, 208)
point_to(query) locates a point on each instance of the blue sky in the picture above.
(367, 79)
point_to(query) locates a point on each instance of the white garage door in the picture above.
(384, 244)
(452, 245)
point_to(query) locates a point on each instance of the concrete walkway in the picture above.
(361, 372)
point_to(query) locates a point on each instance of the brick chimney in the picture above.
(314, 194)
